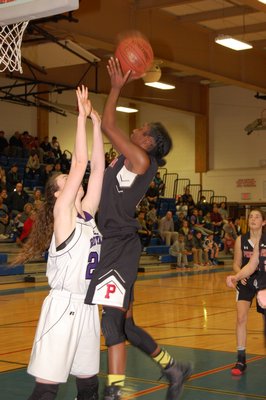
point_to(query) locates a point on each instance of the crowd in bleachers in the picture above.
(25, 165)
(194, 231)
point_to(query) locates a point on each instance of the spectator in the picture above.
(203, 205)
(151, 217)
(3, 143)
(26, 139)
(17, 200)
(107, 159)
(223, 211)
(49, 158)
(159, 183)
(178, 222)
(33, 165)
(4, 219)
(56, 147)
(36, 198)
(2, 177)
(46, 145)
(144, 233)
(197, 249)
(184, 230)
(12, 178)
(57, 167)
(15, 145)
(4, 196)
(65, 163)
(152, 193)
(238, 227)
(197, 223)
(26, 229)
(166, 229)
(21, 217)
(178, 250)
(217, 220)
(45, 173)
(211, 250)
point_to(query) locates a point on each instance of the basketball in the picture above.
(134, 53)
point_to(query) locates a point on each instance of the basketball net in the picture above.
(10, 46)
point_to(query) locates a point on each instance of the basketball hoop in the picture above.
(10, 46)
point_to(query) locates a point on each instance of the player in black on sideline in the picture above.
(126, 181)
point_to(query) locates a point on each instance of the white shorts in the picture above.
(67, 340)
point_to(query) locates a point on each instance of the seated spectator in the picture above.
(65, 163)
(36, 199)
(49, 158)
(35, 145)
(113, 156)
(152, 193)
(33, 165)
(4, 219)
(3, 144)
(46, 145)
(27, 227)
(217, 220)
(223, 211)
(211, 250)
(17, 200)
(151, 217)
(197, 223)
(238, 227)
(229, 228)
(26, 139)
(197, 249)
(203, 205)
(207, 223)
(12, 178)
(107, 159)
(2, 178)
(4, 196)
(56, 147)
(184, 230)
(159, 183)
(189, 245)
(179, 251)
(144, 233)
(57, 167)
(178, 222)
(15, 145)
(21, 217)
(45, 173)
(166, 229)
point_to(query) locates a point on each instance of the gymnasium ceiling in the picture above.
(182, 35)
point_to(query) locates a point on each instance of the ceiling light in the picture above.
(232, 43)
(262, 1)
(128, 110)
(160, 85)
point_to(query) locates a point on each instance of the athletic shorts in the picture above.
(114, 277)
(247, 293)
(67, 340)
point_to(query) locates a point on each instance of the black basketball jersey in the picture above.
(122, 191)
(260, 281)
(247, 248)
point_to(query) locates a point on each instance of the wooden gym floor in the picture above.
(191, 313)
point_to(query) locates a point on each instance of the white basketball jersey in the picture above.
(72, 267)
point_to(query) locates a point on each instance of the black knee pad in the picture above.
(87, 388)
(139, 338)
(113, 320)
(44, 391)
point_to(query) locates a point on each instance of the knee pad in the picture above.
(113, 320)
(139, 338)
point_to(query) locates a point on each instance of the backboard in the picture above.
(13, 11)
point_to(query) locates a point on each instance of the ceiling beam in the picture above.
(238, 30)
(216, 14)
(148, 4)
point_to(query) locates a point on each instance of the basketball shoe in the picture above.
(112, 392)
(176, 374)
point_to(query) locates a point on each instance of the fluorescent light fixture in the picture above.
(231, 43)
(160, 85)
(262, 1)
(128, 110)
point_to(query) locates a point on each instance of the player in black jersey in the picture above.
(125, 183)
(246, 290)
